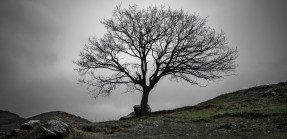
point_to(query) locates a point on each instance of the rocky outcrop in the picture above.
(36, 129)
(29, 125)
(10, 122)
(60, 128)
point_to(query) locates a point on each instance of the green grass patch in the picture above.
(275, 110)
(202, 114)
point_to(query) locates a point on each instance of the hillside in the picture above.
(258, 112)
(7, 117)
(8, 121)
(61, 116)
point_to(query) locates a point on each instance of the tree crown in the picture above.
(142, 46)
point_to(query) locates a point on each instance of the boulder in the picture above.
(137, 112)
(60, 128)
(137, 109)
(32, 129)
(41, 132)
(35, 129)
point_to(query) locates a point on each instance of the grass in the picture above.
(249, 113)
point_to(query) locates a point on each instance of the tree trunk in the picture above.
(144, 103)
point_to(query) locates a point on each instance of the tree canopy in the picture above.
(142, 46)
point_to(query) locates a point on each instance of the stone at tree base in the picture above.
(137, 112)
(137, 109)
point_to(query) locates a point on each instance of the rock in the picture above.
(35, 129)
(137, 109)
(42, 133)
(60, 128)
(30, 125)
(32, 129)
(137, 112)
(48, 133)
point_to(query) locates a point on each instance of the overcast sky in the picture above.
(40, 39)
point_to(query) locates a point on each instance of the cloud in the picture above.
(27, 37)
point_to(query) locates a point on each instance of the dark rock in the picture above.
(17, 133)
(41, 132)
(137, 109)
(137, 112)
(35, 129)
(32, 129)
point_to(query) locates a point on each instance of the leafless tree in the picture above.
(142, 46)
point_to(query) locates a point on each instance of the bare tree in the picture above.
(142, 46)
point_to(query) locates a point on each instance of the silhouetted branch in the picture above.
(175, 43)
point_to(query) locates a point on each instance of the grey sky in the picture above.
(39, 40)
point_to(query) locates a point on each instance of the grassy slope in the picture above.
(246, 113)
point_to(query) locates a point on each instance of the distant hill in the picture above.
(60, 116)
(7, 117)
(8, 122)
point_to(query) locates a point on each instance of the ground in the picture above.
(258, 112)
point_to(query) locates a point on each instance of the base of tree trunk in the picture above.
(142, 112)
